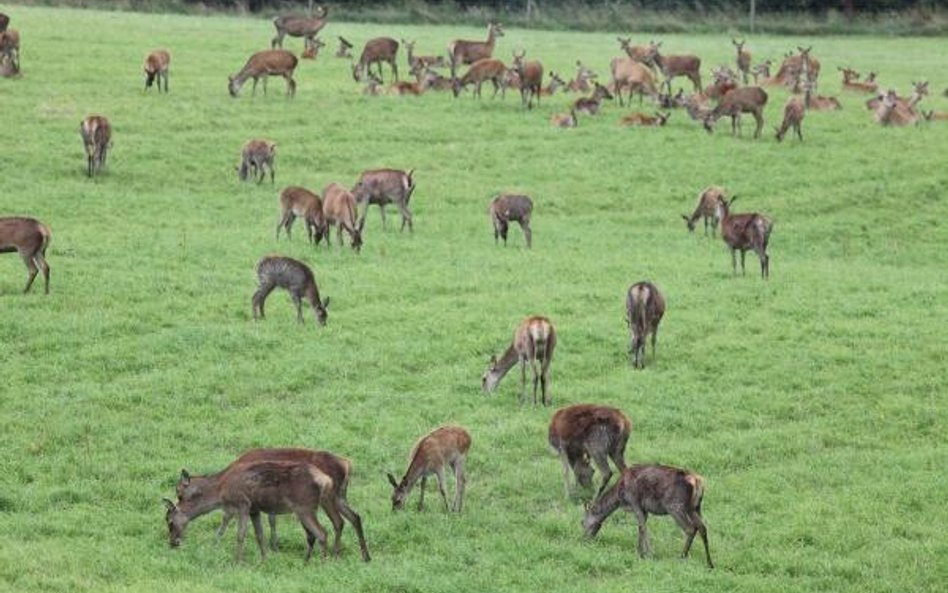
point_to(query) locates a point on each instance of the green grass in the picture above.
(814, 404)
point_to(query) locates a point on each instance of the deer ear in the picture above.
(326, 303)
(168, 504)
(392, 480)
(185, 477)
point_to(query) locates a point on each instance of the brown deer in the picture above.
(583, 77)
(531, 78)
(299, 201)
(627, 73)
(640, 119)
(256, 156)
(468, 52)
(761, 70)
(919, 91)
(746, 99)
(706, 209)
(10, 47)
(421, 63)
(818, 102)
(312, 52)
(264, 64)
(657, 490)
(586, 432)
(444, 446)
(850, 82)
(156, 68)
(383, 187)
(639, 53)
(30, 238)
(96, 134)
(895, 113)
(425, 79)
(673, 66)
(345, 48)
(743, 232)
(564, 120)
(554, 85)
(340, 210)
(246, 490)
(743, 58)
(479, 73)
(697, 105)
(376, 51)
(534, 341)
(374, 86)
(295, 277)
(793, 113)
(306, 27)
(793, 65)
(644, 308)
(507, 208)
(590, 105)
(723, 82)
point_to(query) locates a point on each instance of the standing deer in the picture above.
(531, 78)
(584, 432)
(340, 210)
(256, 157)
(628, 73)
(746, 99)
(271, 62)
(345, 48)
(479, 73)
(745, 232)
(674, 66)
(30, 238)
(534, 341)
(590, 105)
(644, 309)
(96, 134)
(299, 201)
(564, 120)
(707, 209)
(382, 187)
(583, 77)
(306, 27)
(444, 446)
(657, 490)
(743, 58)
(295, 277)
(156, 68)
(793, 113)
(639, 53)
(640, 119)
(10, 47)
(507, 208)
(376, 51)
(462, 52)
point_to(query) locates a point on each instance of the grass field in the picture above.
(813, 404)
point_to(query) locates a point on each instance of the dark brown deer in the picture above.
(640, 119)
(590, 105)
(745, 232)
(707, 209)
(634, 76)
(10, 47)
(564, 120)
(444, 446)
(743, 58)
(674, 66)
(507, 208)
(4, 22)
(383, 187)
(256, 156)
(156, 68)
(479, 73)
(534, 341)
(421, 63)
(299, 201)
(644, 309)
(465, 52)
(345, 48)
(554, 85)
(746, 99)
(933, 115)
(376, 51)
(306, 27)
(264, 64)
(585, 432)
(531, 78)
(340, 210)
(723, 82)
(246, 490)
(583, 77)
(30, 238)
(274, 271)
(793, 114)
(96, 134)
(656, 490)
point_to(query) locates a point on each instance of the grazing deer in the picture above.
(583, 77)
(479, 73)
(376, 51)
(30, 238)
(762, 69)
(698, 106)
(4, 22)
(554, 85)
(707, 209)
(256, 157)
(657, 490)
(306, 27)
(590, 105)
(639, 53)
(507, 208)
(793, 113)
(156, 68)
(96, 134)
(444, 446)
(345, 48)
(640, 119)
(382, 187)
(246, 490)
(745, 232)
(564, 120)
(531, 78)
(743, 58)
(818, 102)
(644, 308)
(421, 63)
(584, 432)
(468, 52)
(425, 79)
(299, 201)
(894, 113)
(534, 341)
(628, 73)
(674, 66)
(746, 99)
(264, 64)
(10, 47)
(340, 210)
(295, 277)
(312, 52)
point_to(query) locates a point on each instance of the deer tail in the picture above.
(47, 237)
(697, 490)
(640, 297)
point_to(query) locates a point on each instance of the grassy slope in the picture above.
(813, 404)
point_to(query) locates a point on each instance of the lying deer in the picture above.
(463, 52)
(156, 68)
(761, 70)
(850, 82)
(306, 27)
(340, 210)
(531, 78)
(706, 209)
(640, 119)
(264, 64)
(30, 238)
(345, 48)
(554, 85)
(383, 187)
(634, 76)
(582, 79)
(584, 432)
(507, 208)
(590, 105)
(933, 115)
(793, 113)
(96, 134)
(376, 51)
(564, 120)
(657, 490)
(745, 232)
(421, 63)
(299, 201)
(312, 50)
(644, 309)
(444, 446)
(818, 102)
(256, 156)
(295, 277)
(748, 99)
(534, 341)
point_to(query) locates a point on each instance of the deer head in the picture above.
(177, 522)
(399, 492)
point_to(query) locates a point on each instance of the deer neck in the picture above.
(602, 508)
(208, 500)
(506, 362)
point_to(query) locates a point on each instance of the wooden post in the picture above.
(753, 14)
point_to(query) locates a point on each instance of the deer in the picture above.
(263, 64)
(640, 119)
(306, 27)
(628, 73)
(376, 51)
(256, 157)
(933, 115)
(334, 502)
(299, 201)
(312, 52)
(30, 238)
(851, 84)
(818, 102)
(479, 73)
(743, 58)
(587, 432)
(292, 275)
(4, 22)
(919, 91)
(443, 446)
(564, 120)
(534, 341)
(421, 63)
(894, 113)
(580, 82)
(340, 210)
(657, 490)
(744, 232)
(639, 53)
(674, 66)
(746, 99)
(383, 187)
(554, 85)
(246, 490)
(96, 132)
(10, 47)
(374, 86)
(462, 52)
(644, 308)
(762, 69)
(697, 105)
(156, 68)
(789, 72)
(506, 208)
(706, 209)
(793, 113)
(531, 78)
(724, 81)
(345, 48)
(590, 105)
(425, 79)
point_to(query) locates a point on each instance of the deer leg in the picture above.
(764, 264)
(743, 271)
(406, 216)
(734, 262)
(536, 378)
(313, 528)
(545, 380)
(266, 77)
(654, 340)
(339, 227)
(241, 534)
(354, 518)
(382, 212)
(394, 69)
(439, 476)
(272, 173)
(166, 81)
(258, 534)
(799, 131)
(254, 90)
(703, 531)
(28, 260)
(684, 522)
(421, 493)
(329, 506)
(523, 379)
(298, 302)
(260, 297)
(527, 234)
(225, 523)
(644, 545)
(286, 220)
(602, 464)
(459, 483)
(566, 471)
(760, 123)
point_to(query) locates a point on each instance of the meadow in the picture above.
(813, 403)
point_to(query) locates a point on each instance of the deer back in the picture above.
(23, 234)
(96, 132)
(379, 49)
(381, 186)
(511, 207)
(339, 205)
(572, 426)
(270, 61)
(157, 61)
